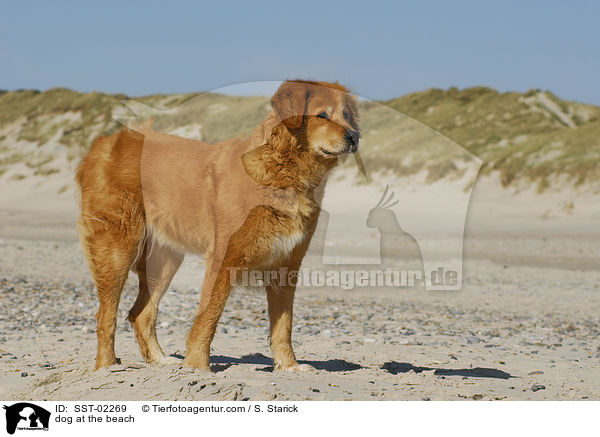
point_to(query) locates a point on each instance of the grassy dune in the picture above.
(533, 136)
(528, 138)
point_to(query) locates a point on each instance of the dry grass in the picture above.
(516, 134)
(523, 141)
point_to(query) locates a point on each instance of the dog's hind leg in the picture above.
(155, 268)
(110, 255)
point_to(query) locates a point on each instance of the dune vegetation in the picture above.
(528, 138)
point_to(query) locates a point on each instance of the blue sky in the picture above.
(381, 50)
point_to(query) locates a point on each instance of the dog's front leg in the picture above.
(281, 309)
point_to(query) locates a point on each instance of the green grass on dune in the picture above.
(519, 135)
(513, 133)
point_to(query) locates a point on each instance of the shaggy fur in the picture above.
(147, 198)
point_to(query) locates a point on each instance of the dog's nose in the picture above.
(351, 138)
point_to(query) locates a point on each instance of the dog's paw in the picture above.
(167, 361)
(295, 368)
(195, 365)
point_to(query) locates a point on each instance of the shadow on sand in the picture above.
(221, 362)
(476, 372)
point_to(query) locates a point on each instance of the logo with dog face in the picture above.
(26, 416)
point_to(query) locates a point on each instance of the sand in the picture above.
(525, 325)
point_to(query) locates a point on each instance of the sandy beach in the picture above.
(525, 325)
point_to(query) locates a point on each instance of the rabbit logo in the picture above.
(395, 244)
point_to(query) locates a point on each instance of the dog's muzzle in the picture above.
(351, 141)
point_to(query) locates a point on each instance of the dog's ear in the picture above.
(289, 103)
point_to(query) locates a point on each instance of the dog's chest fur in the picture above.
(282, 246)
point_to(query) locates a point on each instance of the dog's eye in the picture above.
(346, 115)
(323, 115)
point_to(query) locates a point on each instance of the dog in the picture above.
(147, 198)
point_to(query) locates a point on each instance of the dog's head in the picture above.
(324, 114)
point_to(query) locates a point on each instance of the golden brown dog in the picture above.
(147, 198)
